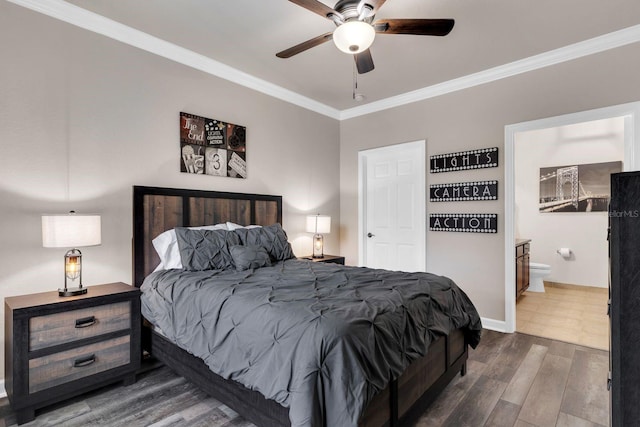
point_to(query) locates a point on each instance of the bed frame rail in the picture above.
(400, 404)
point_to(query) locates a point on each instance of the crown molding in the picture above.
(99, 24)
(91, 21)
(567, 53)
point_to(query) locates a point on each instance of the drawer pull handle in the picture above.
(85, 322)
(84, 361)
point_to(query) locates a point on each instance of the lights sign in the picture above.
(472, 159)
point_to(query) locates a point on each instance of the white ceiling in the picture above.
(246, 34)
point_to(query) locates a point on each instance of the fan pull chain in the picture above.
(358, 97)
(355, 80)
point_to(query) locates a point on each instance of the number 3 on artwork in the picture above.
(216, 161)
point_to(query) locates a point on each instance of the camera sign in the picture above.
(464, 191)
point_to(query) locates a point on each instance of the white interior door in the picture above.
(392, 207)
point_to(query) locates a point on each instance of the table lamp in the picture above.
(318, 224)
(71, 231)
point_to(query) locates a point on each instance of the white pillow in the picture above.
(166, 245)
(233, 226)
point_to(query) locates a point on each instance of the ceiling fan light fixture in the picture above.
(354, 36)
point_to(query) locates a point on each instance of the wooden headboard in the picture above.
(158, 209)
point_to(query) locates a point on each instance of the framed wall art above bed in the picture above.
(212, 147)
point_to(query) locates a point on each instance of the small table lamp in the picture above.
(318, 224)
(71, 231)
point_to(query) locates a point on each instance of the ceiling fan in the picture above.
(356, 30)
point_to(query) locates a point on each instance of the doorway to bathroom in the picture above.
(561, 194)
(553, 165)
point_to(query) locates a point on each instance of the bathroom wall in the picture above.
(584, 233)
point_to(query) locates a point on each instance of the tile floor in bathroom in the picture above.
(574, 314)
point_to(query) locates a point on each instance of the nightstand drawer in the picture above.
(69, 326)
(56, 348)
(55, 369)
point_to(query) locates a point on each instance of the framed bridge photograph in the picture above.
(577, 188)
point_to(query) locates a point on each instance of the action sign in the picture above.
(468, 223)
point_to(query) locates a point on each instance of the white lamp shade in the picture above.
(319, 224)
(354, 36)
(71, 230)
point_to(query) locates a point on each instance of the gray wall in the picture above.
(475, 118)
(83, 118)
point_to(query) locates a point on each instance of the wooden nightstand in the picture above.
(56, 347)
(327, 258)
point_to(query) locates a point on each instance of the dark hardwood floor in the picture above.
(512, 380)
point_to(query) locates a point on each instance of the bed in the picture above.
(405, 396)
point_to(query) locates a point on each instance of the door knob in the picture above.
(370, 235)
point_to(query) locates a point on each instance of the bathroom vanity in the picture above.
(522, 266)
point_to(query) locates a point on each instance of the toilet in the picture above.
(537, 272)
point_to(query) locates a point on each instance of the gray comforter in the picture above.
(320, 339)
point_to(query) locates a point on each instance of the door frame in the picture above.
(421, 204)
(631, 114)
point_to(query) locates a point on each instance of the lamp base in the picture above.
(318, 246)
(71, 292)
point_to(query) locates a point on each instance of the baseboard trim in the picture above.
(574, 287)
(494, 325)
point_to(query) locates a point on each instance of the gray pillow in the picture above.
(273, 238)
(206, 249)
(250, 256)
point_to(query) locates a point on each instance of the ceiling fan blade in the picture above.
(420, 27)
(364, 61)
(377, 4)
(316, 7)
(288, 53)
